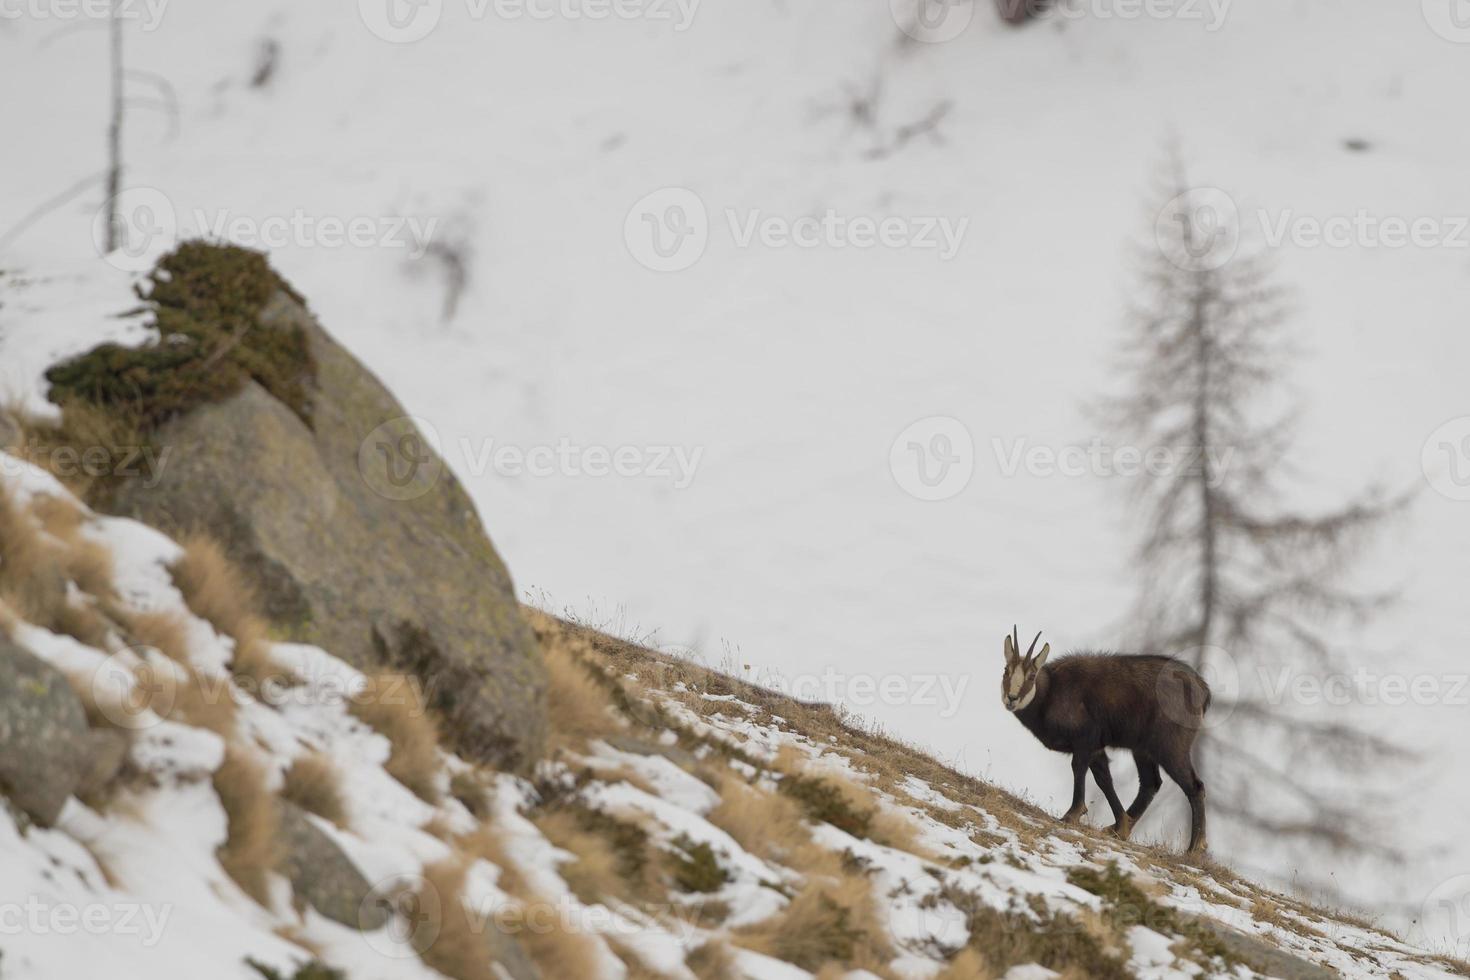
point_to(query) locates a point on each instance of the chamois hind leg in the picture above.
(1103, 776)
(1149, 782)
(1181, 769)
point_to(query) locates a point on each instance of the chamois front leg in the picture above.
(1079, 788)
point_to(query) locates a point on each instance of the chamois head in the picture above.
(1018, 683)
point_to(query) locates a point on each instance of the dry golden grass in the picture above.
(712, 961)
(393, 705)
(447, 938)
(251, 851)
(578, 706)
(554, 945)
(25, 561)
(764, 823)
(487, 845)
(827, 922)
(473, 789)
(967, 965)
(163, 631)
(593, 874)
(215, 591)
(314, 783)
(69, 450)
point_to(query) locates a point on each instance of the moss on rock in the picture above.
(206, 301)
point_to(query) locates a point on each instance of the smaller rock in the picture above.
(103, 761)
(1264, 957)
(10, 433)
(323, 876)
(44, 738)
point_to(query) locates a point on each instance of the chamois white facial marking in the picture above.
(1018, 683)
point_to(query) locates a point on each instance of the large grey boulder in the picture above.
(47, 752)
(10, 434)
(359, 539)
(323, 876)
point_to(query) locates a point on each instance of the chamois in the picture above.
(1085, 703)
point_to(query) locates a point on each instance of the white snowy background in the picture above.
(791, 371)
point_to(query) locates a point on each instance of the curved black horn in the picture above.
(1032, 648)
(1015, 640)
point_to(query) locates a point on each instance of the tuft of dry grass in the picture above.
(25, 560)
(393, 705)
(445, 936)
(578, 706)
(556, 947)
(473, 789)
(712, 961)
(766, 824)
(163, 631)
(827, 922)
(215, 590)
(251, 850)
(314, 783)
(204, 701)
(967, 965)
(593, 874)
(85, 450)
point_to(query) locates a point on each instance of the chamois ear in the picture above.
(1041, 657)
(1010, 650)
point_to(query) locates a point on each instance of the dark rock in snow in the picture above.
(323, 876)
(44, 738)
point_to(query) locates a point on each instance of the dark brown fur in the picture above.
(1086, 703)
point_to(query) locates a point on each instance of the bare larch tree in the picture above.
(1234, 580)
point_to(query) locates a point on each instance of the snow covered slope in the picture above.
(774, 841)
(791, 371)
